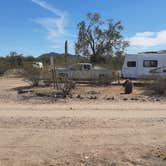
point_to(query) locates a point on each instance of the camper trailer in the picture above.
(144, 65)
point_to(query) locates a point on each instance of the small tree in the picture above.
(15, 60)
(99, 39)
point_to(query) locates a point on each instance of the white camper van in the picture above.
(144, 65)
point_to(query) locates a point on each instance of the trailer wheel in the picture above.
(128, 85)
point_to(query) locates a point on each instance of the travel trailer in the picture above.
(144, 65)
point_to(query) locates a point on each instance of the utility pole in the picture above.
(66, 52)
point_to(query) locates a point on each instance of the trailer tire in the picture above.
(128, 85)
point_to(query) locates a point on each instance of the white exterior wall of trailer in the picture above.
(140, 65)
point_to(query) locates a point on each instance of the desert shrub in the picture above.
(103, 79)
(4, 65)
(159, 86)
(14, 73)
(65, 85)
(34, 75)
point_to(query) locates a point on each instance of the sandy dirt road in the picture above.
(80, 133)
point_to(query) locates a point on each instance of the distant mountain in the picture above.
(47, 55)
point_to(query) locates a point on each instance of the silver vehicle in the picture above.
(84, 71)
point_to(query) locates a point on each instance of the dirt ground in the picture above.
(111, 130)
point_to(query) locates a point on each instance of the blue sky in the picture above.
(34, 27)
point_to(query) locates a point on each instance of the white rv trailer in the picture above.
(144, 65)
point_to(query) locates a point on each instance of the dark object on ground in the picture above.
(43, 94)
(21, 91)
(92, 97)
(60, 95)
(128, 87)
(93, 92)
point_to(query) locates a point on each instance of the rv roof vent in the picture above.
(153, 52)
(149, 52)
(162, 52)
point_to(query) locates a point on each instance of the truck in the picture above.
(84, 71)
(144, 65)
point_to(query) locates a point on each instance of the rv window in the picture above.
(150, 63)
(87, 67)
(76, 67)
(131, 64)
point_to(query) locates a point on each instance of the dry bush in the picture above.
(34, 75)
(116, 75)
(65, 85)
(14, 73)
(159, 86)
(105, 79)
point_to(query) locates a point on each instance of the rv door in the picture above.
(129, 69)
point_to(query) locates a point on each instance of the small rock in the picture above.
(158, 156)
(78, 96)
(92, 97)
(21, 91)
(113, 98)
(95, 97)
(113, 164)
(93, 92)
(86, 157)
(157, 99)
(70, 96)
(133, 98)
(110, 98)
(143, 100)
(60, 95)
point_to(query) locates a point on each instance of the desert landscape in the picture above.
(109, 129)
(82, 83)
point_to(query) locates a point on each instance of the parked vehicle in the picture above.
(38, 65)
(160, 71)
(144, 65)
(84, 71)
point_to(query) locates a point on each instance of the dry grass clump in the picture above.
(159, 86)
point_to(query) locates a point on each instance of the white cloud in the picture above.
(148, 39)
(55, 26)
(145, 34)
(48, 7)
